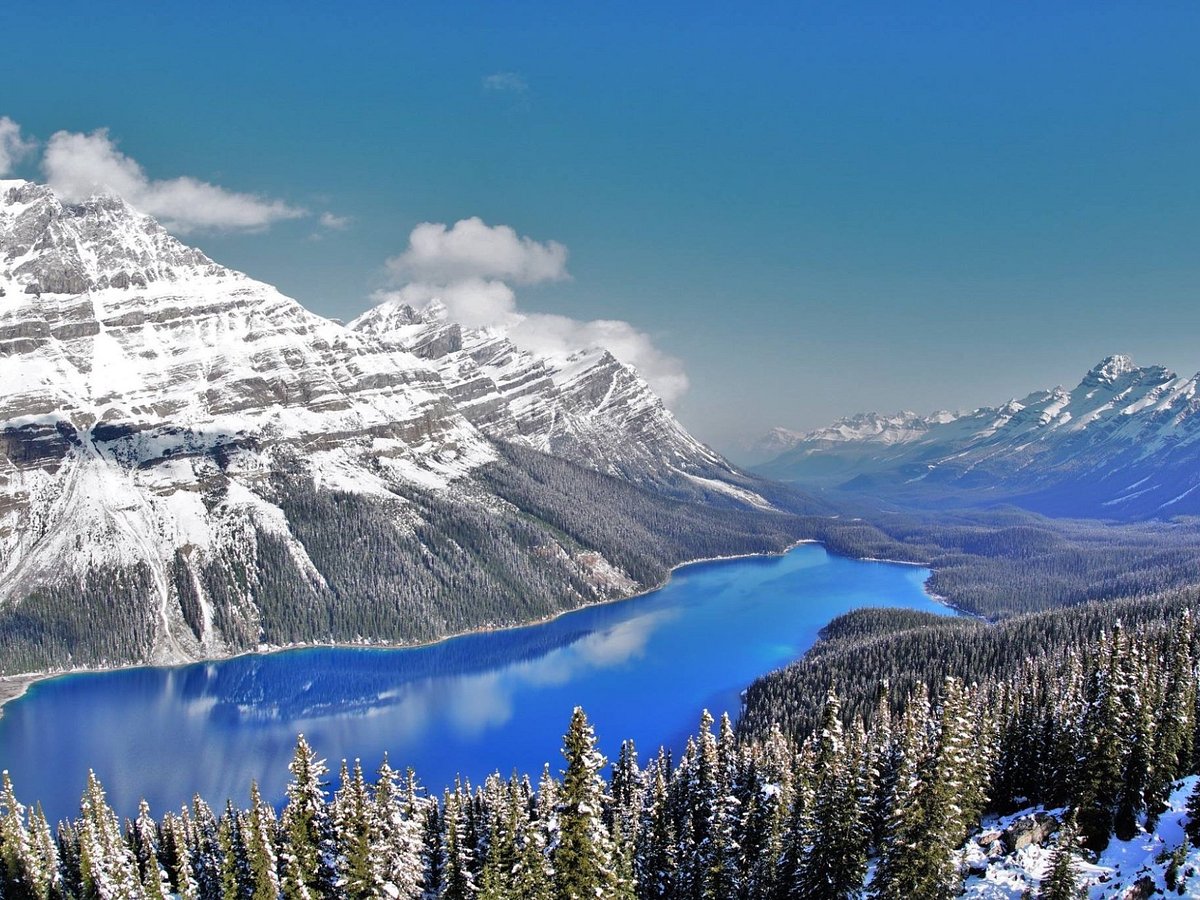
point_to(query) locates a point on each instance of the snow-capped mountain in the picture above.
(585, 406)
(1125, 442)
(866, 428)
(192, 463)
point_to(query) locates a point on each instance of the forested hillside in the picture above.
(1001, 562)
(530, 536)
(863, 651)
(1100, 721)
(193, 465)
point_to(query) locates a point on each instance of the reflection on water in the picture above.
(642, 668)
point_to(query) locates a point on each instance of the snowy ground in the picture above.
(1112, 876)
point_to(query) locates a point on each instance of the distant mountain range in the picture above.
(193, 464)
(1123, 444)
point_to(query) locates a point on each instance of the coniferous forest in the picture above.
(370, 373)
(1101, 723)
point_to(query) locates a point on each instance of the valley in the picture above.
(644, 668)
(1121, 446)
(194, 465)
(226, 521)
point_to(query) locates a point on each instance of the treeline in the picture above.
(860, 652)
(1006, 561)
(105, 620)
(502, 549)
(1105, 727)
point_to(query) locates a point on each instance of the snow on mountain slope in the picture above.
(187, 455)
(901, 428)
(772, 444)
(1125, 442)
(585, 406)
(864, 428)
(147, 395)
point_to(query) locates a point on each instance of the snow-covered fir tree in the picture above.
(306, 856)
(834, 860)
(1061, 881)
(901, 779)
(143, 837)
(583, 855)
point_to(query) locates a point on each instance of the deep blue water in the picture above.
(642, 668)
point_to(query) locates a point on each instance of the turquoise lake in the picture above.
(642, 668)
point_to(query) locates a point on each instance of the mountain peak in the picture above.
(1120, 372)
(1109, 369)
(48, 246)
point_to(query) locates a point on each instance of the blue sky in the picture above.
(817, 209)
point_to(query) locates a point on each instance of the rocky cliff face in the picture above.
(1123, 443)
(585, 406)
(192, 463)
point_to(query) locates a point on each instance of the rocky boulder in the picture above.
(1027, 831)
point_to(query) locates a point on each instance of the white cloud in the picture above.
(559, 335)
(472, 302)
(13, 147)
(506, 82)
(78, 166)
(335, 222)
(467, 268)
(474, 249)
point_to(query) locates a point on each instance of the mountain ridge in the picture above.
(1123, 443)
(192, 464)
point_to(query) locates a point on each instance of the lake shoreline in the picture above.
(13, 687)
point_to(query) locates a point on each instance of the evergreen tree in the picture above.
(458, 863)
(624, 873)
(107, 868)
(69, 859)
(144, 839)
(762, 789)
(533, 879)
(306, 855)
(795, 833)
(1192, 827)
(835, 858)
(626, 789)
(882, 765)
(1173, 734)
(900, 873)
(46, 875)
(17, 866)
(432, 831)
(583, 863)
(655, 862)
(204, 846)
(1102, 765)
(509, 819)
(396, 835)
(1061, 881)
(546, 808)
(715, 813)
(950, 797)
(358, 862)
(237, 876)
(178, 858)
(260, 834)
